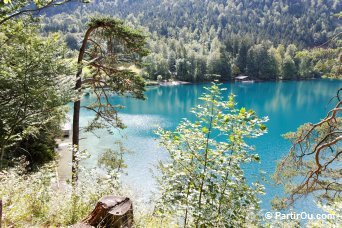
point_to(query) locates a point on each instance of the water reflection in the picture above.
(288, 105)
(267, 97)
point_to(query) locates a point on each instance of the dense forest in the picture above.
(207, 40)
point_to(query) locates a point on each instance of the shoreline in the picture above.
(167, 83)
(176, 82)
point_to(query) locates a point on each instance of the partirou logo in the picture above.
(294, 215)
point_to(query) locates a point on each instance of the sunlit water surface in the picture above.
(287, 104)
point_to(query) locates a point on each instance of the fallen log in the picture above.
(110, 211)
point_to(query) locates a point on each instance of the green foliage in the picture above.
(269, 20)
(109, 49)
(159, 78)
(203, 183)
(147, 220)
(321, 61)
(219, 63)
(109, 69)
(332, 208)
(289, 70)
(38, 199)
(34, 84)
(71, 41)
(241, 58)
(40, 148)
(11, 9)
(113, 159)
(261, 63)
(133, 39)
(183, 33)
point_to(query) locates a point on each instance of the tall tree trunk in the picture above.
(76, 128)
(2, 154)
(77, 107)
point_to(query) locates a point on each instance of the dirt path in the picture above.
(64, 160)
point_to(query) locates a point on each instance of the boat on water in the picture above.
(243, 79)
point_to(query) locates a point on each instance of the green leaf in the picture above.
(243, 111)
(251, 112)
(256, 157)
(231, 138)
(262, 127)
(205, 130)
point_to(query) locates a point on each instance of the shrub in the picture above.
(203, 184)
(38, 199)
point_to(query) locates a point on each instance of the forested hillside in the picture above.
(202, 40)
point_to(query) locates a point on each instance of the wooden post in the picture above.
(110, 211)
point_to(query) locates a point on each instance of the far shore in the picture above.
(176, 82)
(167, 83)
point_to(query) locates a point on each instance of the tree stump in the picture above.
(110, 211)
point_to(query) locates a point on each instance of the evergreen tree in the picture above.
(172, 62)
(108, 74)
(289, 68)
(241, 59)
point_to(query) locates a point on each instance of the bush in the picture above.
(203, 184)
(159, 78)
(38, 199)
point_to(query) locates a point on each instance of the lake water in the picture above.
(288, 105)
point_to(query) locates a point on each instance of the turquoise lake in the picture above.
(287, 104)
